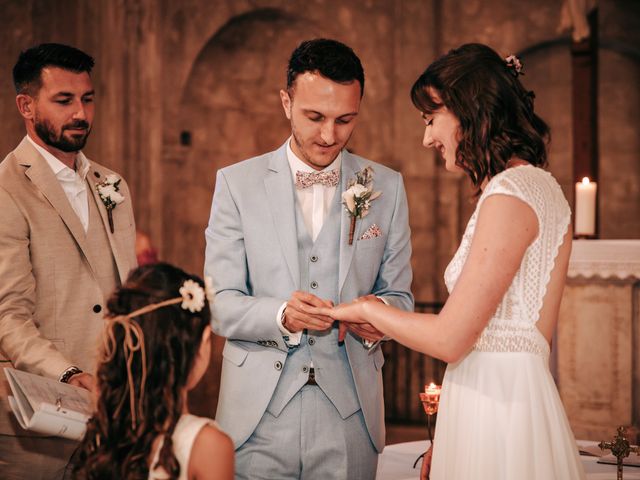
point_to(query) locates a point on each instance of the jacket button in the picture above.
(97, 308)
(314, 258)
(278, 365)
(314, 284)
(311, 340)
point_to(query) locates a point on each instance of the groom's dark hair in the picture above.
(27, 72)
(330, 58)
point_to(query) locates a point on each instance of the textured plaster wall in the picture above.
(213, 70)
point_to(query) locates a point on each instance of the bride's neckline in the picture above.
(513, 163)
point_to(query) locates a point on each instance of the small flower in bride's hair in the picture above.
(192, 296)
(209, 290)
(514, 65)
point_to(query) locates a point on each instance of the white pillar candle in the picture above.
(585, 219)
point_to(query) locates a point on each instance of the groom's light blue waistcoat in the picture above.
(258, 252)
(319, 274)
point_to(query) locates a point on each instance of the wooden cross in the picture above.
(620, 447)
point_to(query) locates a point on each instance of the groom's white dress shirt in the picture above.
(73, 182)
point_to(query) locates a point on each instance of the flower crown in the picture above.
(191, 298)
(514, 65)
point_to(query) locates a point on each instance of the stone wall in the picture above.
(187, 87)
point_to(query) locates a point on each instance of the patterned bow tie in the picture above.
(327, 178)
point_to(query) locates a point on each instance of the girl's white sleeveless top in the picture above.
(184, 436)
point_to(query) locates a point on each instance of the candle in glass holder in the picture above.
(585, 219)
(431, 398)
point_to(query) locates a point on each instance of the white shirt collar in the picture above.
(82, 164)
(298, 165)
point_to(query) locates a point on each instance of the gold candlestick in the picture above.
(430, 399)
(620, 448)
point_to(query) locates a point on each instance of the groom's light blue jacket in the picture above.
(258, 254)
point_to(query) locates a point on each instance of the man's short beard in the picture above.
(48, 135)
(297, 141)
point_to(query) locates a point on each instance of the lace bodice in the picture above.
(512, 327)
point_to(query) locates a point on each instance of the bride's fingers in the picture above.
(346, 312)
(319, 311)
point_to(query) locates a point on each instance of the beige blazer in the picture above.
(54, 281)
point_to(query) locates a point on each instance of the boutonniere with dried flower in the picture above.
(358, 197)
(109, 191)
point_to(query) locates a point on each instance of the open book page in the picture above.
(47, 406)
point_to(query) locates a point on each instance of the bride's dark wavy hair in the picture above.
(111, 448)
(495, 111)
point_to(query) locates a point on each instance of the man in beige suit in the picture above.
(62, 251)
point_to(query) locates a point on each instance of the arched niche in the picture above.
(230, 111)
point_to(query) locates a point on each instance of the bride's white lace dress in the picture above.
(500, 414)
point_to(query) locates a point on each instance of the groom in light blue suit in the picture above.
(301, 396)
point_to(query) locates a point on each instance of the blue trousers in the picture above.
(309, 441)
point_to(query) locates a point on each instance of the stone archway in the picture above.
(230, 111)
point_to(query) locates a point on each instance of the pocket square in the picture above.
(372, 232)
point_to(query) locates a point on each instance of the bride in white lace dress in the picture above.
(500, 413)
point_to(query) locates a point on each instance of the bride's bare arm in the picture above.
(506, 227)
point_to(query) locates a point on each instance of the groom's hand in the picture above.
(366, 331)
(296, 317)
(425, 470)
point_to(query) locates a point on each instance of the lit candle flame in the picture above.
(585, 181)
(431, 388)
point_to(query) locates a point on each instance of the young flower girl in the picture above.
(156, 348)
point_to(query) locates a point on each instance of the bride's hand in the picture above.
(426, 464)
(345, 312)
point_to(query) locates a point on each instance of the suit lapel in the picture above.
(349, 168)
(281, 198)
(121, 263)
(45, 181)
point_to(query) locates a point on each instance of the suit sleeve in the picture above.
(20, 339)
(237, 314)
(393, 283)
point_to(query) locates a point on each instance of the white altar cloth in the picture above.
(605, 259)
(396, 461)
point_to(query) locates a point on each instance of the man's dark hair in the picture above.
(27, 72)
(330, 58)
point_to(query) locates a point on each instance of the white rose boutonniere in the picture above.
(109, 192)
(358, 197)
